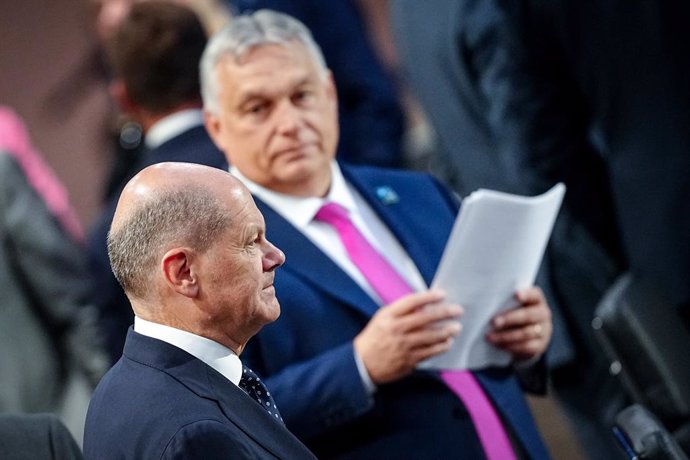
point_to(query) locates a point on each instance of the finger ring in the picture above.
(536, 329)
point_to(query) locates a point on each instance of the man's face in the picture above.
(277, 120)
(239, 269)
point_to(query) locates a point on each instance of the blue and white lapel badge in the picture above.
(387, 195)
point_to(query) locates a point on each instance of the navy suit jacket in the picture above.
(115, 313)
(306, 357)
(160, 402)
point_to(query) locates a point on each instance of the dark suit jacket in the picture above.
(115, 313)
(306, 356)
(626, 65)
(160, 402)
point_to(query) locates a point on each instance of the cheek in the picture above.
(244, 148)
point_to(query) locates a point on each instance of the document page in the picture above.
(495, 248)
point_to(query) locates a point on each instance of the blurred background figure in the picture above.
(14, 139)
(371, 117)
(464, 61)
(525, 94)
(154, 55)
(126, 132)
(51, 357)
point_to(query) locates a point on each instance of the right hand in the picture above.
(408, 331)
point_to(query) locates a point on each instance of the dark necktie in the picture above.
(390, 286)
(253, 386)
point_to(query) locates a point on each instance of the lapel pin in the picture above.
(387, 195)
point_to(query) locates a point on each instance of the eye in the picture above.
(257, 108)
(302, 96)
(255, 241)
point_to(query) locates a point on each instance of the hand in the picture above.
(524, 331)
(408, 331)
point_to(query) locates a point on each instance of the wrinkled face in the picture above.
(239, 270)
(278, 118)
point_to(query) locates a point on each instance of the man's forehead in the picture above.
(270, 61)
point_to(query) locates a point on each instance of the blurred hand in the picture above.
(524, 331)
(408, 331)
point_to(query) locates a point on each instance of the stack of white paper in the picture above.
(495, 248)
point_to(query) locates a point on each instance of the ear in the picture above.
(213, 126)
(331, 90)
(119, 93)
(178, 272)
(330, 84)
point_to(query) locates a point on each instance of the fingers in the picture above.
(524, 331)
(534, 331)
(421, 353)
(523, 342)
(414, 301)
(432, 317)
(529, 296)
(419, 310)
(528, 349)
(405, 332)
(532, 310)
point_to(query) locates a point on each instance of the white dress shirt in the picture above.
(173, 125)
(212, 353)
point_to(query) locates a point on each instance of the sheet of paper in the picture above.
(495, 248)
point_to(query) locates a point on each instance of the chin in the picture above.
(297, 172)
(271, 311)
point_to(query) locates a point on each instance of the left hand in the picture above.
(524, 331)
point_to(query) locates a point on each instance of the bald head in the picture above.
(168, 205)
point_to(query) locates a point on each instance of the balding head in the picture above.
(189, 247)
(166, 205)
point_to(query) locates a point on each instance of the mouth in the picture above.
(293, 151)
(269, 285)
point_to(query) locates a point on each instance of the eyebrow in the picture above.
(251, 229)
(261, 92)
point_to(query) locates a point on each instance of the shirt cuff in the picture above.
(368, 384)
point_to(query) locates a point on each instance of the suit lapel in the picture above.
(302, 256)
(401, 217)
(251, 418)
(206, 382)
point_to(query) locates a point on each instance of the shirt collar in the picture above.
(302, 210)
(212, 353)
(173, 125)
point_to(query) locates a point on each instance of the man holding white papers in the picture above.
(362, 245)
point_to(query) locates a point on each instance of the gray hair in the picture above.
(242, 34)
(192, 217)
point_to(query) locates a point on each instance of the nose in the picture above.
(273, 257)
(288, 118)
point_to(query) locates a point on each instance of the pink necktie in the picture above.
(390, 286)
